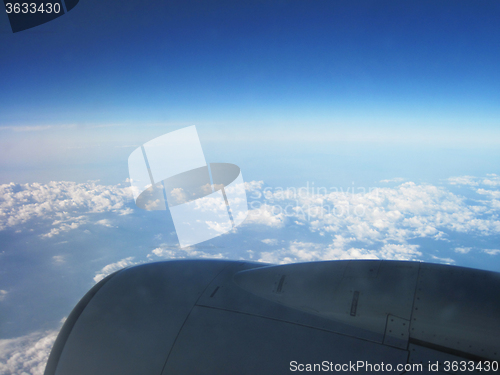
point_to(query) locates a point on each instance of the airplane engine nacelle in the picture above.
(230, 317)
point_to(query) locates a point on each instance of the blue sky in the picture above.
(194, 60)
(400, 96)
(420, 78)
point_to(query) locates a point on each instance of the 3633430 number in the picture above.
(32, 8)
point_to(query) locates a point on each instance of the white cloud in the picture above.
(265, 215)
(172, 252)
(219, 227)
(269, 241)
(67, 205)
(311, 252)
(27, 354)
(463, 180)
(340, 242)
(492, 180)
(156, 204)
(59, 259)
(399, 252)
(443, 260)
(125, 211)
(463, 250)
(178, 195)
(491, 251)
(395, 179)
(490, 193)
(384, 215)
(351, 223)
(113, 267)
(3, 294)
(105, 223)
(163, 252)
(253, 185)
(65, 225)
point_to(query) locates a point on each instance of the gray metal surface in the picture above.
(397, 332)
(224, 293)
(223, 317)
(131, 323)
(221, 342)
(458, 309)
(359, 294)
(66, 329)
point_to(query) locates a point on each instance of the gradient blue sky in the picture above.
(115, 61)
(298, 78)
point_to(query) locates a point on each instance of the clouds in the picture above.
(382, 222)
(399, 252)
(270, 241)
(465, 250)
(396, 214)
(163, 252)
(443, 260)
(382, 215)
(105, 223)
(491, 251)
(27, 354)
(113, 267)
(385, 221)
(491, 180)
(395, 179)
(267, 215)
(463, 180)
(490, 193)
(298, 251)
(59, 259)
(63, 206)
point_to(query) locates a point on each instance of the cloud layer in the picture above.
(64, 206)
(283, 226)
(384, 220)
(27, 354)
